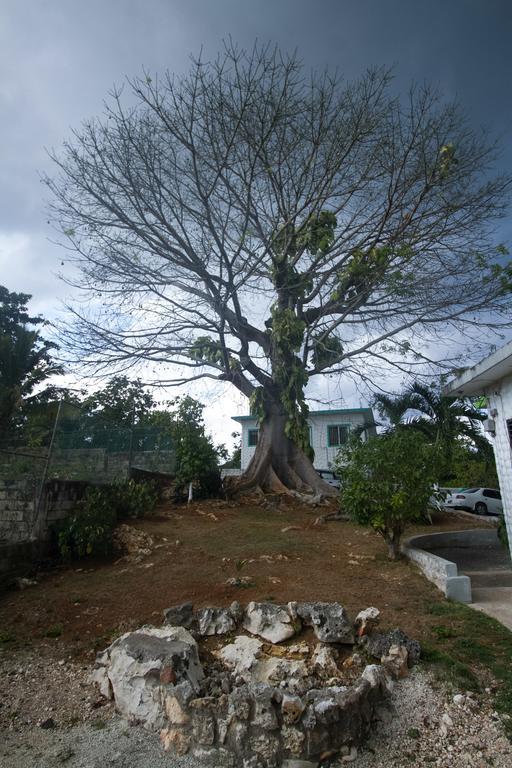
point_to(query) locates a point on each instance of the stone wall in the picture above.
(259, 704)
(18, 501)
(17, 507)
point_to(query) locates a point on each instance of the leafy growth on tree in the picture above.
(25, 359)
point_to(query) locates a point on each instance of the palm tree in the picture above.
(443, 420)
(392, 408)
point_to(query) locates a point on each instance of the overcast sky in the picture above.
(59, 58)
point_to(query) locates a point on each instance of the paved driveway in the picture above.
(489, 566)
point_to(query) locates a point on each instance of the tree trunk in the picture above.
(278, 465)
(393, 543)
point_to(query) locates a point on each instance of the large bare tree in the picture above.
(255, 225)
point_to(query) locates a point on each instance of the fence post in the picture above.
(37, 525)
(130, 452)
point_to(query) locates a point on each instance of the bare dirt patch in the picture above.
(278, 554)
(51, 631)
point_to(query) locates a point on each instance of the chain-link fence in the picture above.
(44, 465)
(89, 447)
(80, 445)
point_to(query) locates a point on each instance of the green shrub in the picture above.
(386, 482)
(132, 499)
(89, 530)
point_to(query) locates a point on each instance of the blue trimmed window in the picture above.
(252, 437)
(337, 435)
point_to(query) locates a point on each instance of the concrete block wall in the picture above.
(17, 506)
(92, 464)
(77, 463)
(18, 503)
(59, 499)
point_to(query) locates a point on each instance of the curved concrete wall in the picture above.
(444, 573)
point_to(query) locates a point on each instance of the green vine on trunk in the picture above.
(257, 404)
(287, 334)
(286, 329)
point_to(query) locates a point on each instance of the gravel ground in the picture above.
(422, 726)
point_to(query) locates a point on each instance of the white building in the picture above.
(328, 431)
(493, 378)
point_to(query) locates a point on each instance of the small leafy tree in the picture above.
(122, 402)
(235, 460)
(386, 482)
(89, 530)
(197, 459)
(473, 467)
(25, 358)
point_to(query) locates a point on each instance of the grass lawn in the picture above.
(79, 609)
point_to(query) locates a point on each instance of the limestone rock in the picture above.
(288, 672)
(172, 738)
(174, 711)
(99, 677)
(378, 678)
(133, 665)
(241, 655)
(396, 661)
(262, 704)
(292, 708)
(330, 621)
(324, 662)
(271, 622)
(264, 714)
(366, 621)
(236, 611)
(378, 644)
(354, 660)
(215, 621)
(265, 746)
(180, 615)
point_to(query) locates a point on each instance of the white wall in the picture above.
(500, 398)
(324, 455)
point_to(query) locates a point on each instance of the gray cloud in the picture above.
(59, 59)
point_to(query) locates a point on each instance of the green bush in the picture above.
(386, 482)
(132, 499)
(89, 530)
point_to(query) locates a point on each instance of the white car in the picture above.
(481, 501)
(329, 477)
